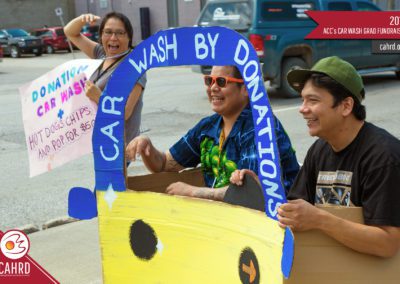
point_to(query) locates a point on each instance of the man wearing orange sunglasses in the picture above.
(222, 142)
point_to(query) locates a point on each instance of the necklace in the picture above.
(101, 73)
(118, 55)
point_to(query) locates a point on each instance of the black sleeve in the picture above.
(381, 197)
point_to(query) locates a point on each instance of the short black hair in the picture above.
(339, 93)
(124, 19)
(236, 74)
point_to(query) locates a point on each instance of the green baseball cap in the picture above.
(339, 70)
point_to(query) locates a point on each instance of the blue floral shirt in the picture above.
(201, 145)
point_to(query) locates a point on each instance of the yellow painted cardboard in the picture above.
(201, 240)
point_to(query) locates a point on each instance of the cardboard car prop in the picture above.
(149, 237)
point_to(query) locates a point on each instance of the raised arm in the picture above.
(73, 31)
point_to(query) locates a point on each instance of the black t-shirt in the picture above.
(366, 173)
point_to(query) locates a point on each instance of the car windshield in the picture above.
(91, 29)
(41, 33)
(17, 32)
(235, 15)
(285, 10)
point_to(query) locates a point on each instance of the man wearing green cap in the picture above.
(353, 163)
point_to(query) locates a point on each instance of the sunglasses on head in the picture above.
(221, 81)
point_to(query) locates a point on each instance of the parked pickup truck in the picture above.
(277, 29)
(18, 41)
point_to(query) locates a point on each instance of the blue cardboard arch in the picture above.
(186, 46)
(189, 46)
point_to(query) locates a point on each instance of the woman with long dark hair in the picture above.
(115, 42)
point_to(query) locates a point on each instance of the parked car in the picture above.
(3, 43)
(53, 39)
(91, 32)
(19, 41)
(277, 29)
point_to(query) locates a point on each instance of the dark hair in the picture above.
(339, 93)
(236, 74)
(124, 19)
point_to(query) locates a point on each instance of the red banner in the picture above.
(16, 266)
(355, 25)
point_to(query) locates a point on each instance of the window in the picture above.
(59, 32)
(339, 6)
(363, 6)
(285, 11)
(43, 33)
(103, 4)
(234, 15)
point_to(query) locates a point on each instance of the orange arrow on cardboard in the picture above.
(250, 270)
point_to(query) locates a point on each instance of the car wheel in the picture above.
(289, 64)
(14, 52)
(39, 53)
(397, 74)
(49, 49)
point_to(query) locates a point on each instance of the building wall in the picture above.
(30, 14)
(158, 16)
(188, 11)
(37, 13)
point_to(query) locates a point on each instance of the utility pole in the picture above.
(59, 13)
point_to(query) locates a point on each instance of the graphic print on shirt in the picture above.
(334, 188)
(215, 163)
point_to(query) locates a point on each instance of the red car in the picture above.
(53, 39)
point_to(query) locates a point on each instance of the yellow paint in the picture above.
(202, 240)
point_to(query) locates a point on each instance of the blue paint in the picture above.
(82, 203)
(186, 46)
(287, 253)
(60, 114)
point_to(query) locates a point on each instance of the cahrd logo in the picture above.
(16, 266)
(14, 244)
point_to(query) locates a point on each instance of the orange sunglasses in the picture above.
(221, 81)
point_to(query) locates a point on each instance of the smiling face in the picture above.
(317, 109)
(116, 42)
(230, 100)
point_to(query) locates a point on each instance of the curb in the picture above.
(32, 228)
(29, 229)
(57, 222)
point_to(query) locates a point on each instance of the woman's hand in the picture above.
(92, 91)
(89, 18)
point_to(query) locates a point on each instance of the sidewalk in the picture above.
(70, 253)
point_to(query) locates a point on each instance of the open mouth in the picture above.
(217, 99)
(113, 47)
(310, 121)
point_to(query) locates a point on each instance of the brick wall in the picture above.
(30, 14)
